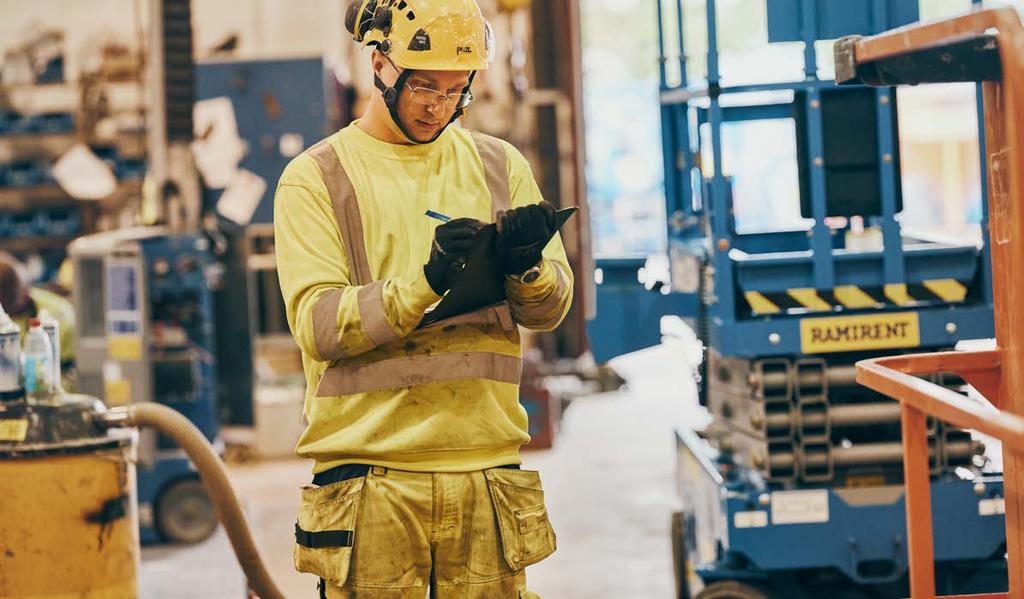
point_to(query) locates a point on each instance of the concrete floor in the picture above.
(608, 483)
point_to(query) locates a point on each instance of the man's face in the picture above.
(422, 109)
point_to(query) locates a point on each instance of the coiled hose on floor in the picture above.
(214, 477)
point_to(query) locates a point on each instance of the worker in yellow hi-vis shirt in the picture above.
(415, 432)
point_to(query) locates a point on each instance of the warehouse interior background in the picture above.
(578, 87)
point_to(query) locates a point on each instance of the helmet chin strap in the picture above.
(393, 94)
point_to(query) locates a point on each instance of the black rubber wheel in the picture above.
(184, 512)
(731, 589)
(680, 555)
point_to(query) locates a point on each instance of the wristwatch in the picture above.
(527, 277)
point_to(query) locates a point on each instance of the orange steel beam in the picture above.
(890, 377)
(998, 375)
(917, 478)
(979, 368)
(940, 33)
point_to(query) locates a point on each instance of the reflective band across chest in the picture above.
(495, 161)
(419, 370)
(346, 210)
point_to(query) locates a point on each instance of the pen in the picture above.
(438, 216)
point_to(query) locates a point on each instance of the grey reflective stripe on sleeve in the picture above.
(371, 312)
(419, 370)
(325, 325)
(496, 314)
(495, 160)
(346, 210)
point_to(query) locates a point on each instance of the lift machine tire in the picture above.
(184, 512)
(731, 589)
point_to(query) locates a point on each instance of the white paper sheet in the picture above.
(217, 148)
(83, 175)
(242, 196)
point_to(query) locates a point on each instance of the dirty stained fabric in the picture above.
(438, 399)
(466, 535)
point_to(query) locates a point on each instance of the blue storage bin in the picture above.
(7, 121)
(24, 173)
(53, 122)
(20, 124)
(23, 225)
(56, 222)
(130, 169)
(108, 154)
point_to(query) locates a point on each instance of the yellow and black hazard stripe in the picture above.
(853, 297)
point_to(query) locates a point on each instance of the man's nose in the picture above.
(438, 108)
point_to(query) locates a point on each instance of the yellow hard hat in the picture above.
(427, 35)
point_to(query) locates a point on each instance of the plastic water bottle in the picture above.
(38, 364)
(52, 329)
(10, 358)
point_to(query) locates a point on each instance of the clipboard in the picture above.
(482, 282)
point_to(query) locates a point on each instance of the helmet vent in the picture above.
(410, 15)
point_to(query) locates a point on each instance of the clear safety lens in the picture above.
(489, 42)
(430, 97)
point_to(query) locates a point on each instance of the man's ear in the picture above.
(378, 61)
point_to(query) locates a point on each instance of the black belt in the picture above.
(349, 471)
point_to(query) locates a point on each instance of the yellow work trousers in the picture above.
(394, 534)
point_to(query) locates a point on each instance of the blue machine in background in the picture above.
(795, 489)
(281, 108)
(144, 308)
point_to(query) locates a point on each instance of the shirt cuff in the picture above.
(421, 296)
(544, 281)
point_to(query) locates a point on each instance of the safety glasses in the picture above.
(426, 96)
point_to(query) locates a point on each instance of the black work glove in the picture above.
(522, 235)
(449, 251)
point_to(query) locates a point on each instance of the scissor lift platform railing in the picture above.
(987, 46)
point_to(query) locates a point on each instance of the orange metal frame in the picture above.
(998, 374)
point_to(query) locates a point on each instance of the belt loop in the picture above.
(379, 471)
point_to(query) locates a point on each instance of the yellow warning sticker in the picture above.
(856, 333)
(117, 393)
(13, 430)
(125, 347)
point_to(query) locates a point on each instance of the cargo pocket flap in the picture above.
(325, 532)
(526, 533)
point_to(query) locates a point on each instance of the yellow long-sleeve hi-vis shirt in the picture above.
(352, 237)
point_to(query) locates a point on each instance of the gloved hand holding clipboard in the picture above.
(482, 282)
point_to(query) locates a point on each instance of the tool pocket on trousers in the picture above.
(526, 533)
(325, 531)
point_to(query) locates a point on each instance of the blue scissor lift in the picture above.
(795, 489)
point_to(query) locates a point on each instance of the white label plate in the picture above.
(800, 507)
(992, 507)
(750, 519)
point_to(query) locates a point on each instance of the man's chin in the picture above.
(423, 131)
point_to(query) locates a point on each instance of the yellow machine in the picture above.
(70, 530)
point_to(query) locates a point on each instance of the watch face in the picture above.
(531, 275)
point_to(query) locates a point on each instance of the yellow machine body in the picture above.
(68, 522)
